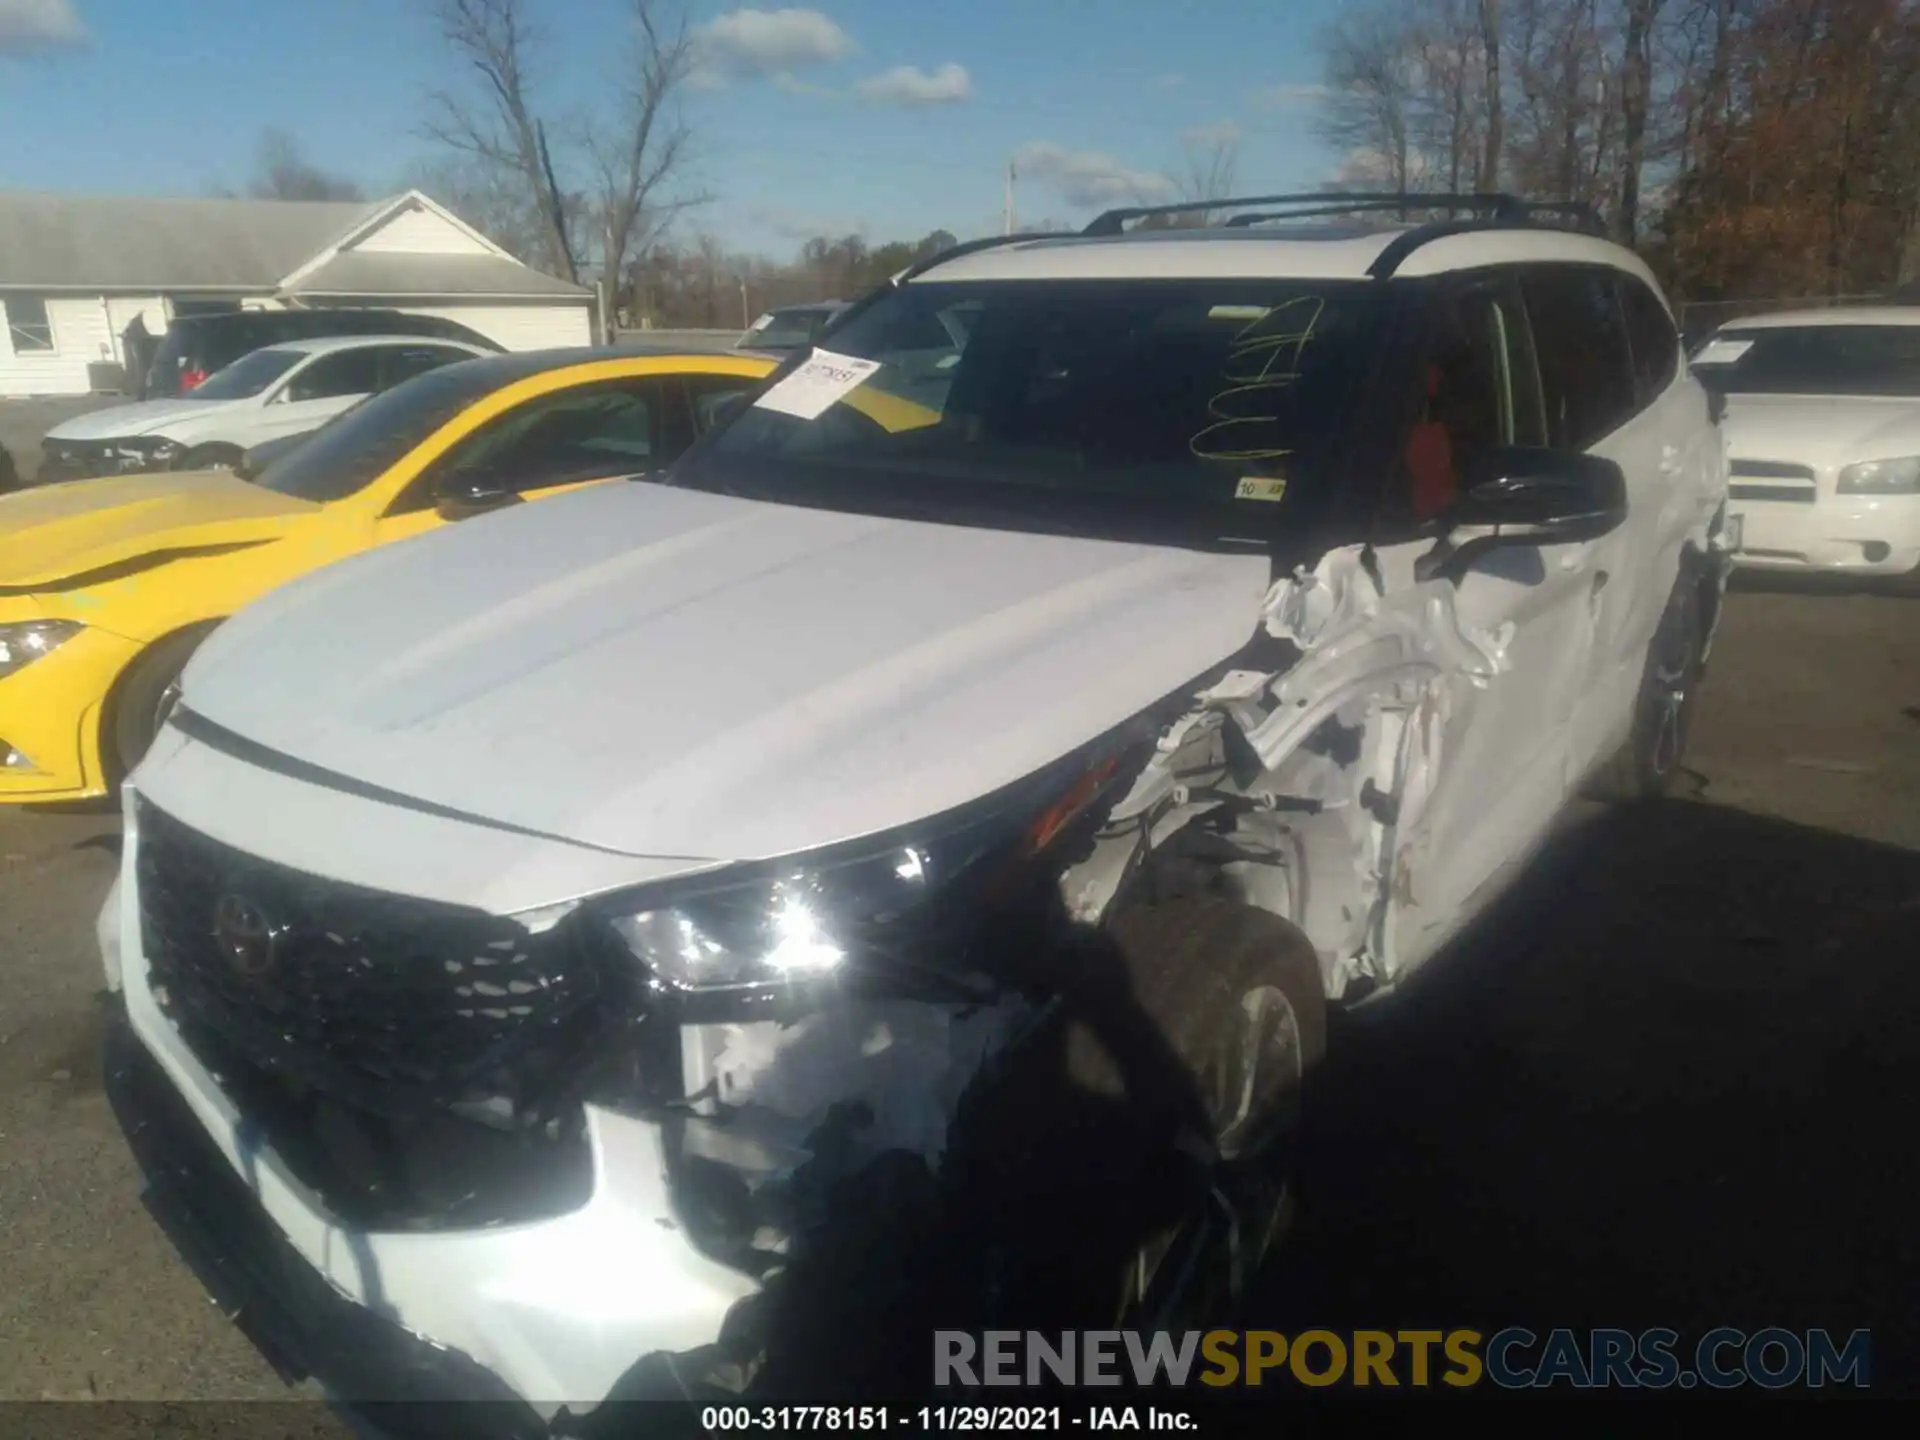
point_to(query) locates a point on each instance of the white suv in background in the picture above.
(1823, 427)
(899, 866)
(272, 393)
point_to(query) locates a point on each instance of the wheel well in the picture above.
(110, 708)
(1693, 560)
(210, 448)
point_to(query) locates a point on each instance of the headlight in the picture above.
(1882, 477)
(802, 927)
(23, 643)
(910, 904)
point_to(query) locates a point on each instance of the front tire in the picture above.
(144, 697)
(1141, 1159)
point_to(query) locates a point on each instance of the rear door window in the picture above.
(400, 363)
(1586, 360)
(344, 372)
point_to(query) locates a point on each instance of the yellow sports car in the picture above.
(106, 586)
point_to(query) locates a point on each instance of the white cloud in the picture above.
(910, 85)
(1088, 178)
(1287, 95)
(28, 27)
(1225, 132)
(751, 43)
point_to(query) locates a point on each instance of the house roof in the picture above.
(95, 243)
(133, 242)
(364, 273)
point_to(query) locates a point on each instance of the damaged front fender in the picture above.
(1306, 775)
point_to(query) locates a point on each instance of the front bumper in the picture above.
(1842, 534)
(543, 1314)
(90, 459)
(302, 1326)
(50, 717)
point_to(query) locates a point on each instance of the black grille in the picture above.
(1771, 470)
(390, 1004)
(1792, 494)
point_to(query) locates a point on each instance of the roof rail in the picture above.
(1493, 206)
(954, 252)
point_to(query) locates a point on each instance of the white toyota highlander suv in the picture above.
(899, 864)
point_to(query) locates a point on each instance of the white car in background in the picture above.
(1823, 436)
(276, 391)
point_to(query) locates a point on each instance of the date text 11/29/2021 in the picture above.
(724, 1419)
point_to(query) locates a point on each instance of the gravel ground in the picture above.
(1669, 1082)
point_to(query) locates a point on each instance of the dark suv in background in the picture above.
(195, 346)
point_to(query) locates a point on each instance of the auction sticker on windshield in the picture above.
(824, 378)
(1722, 352)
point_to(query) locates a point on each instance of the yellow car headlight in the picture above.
(26, 641)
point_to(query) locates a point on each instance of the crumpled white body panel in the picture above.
(1386, 662)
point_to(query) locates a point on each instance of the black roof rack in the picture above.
(1486, 211)
(1489, 208)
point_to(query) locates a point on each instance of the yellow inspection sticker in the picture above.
(1260, 487)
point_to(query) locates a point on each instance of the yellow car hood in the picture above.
(61, 532)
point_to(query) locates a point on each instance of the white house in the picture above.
(75, 270)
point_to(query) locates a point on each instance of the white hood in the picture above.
(142, 419)
(669, 673)
(1822, 431)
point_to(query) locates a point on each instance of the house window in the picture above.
(27, 324)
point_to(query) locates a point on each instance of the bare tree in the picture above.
(1371, 82)
(634, 165)
(593, 181)
(281, 171)
(1636, 95)
(498, 127)
(1210, 162)
(1491, 95)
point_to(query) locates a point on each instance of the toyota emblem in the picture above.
(248, 940)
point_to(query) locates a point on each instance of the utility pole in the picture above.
(746, 316)
(1006, 209)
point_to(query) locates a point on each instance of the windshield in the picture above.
(247, 376)
(1814, 360)
(1204, 402)
(353, 449)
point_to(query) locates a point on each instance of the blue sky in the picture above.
(892, 119)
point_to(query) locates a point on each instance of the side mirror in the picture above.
(1528, 497)
(466, 496)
